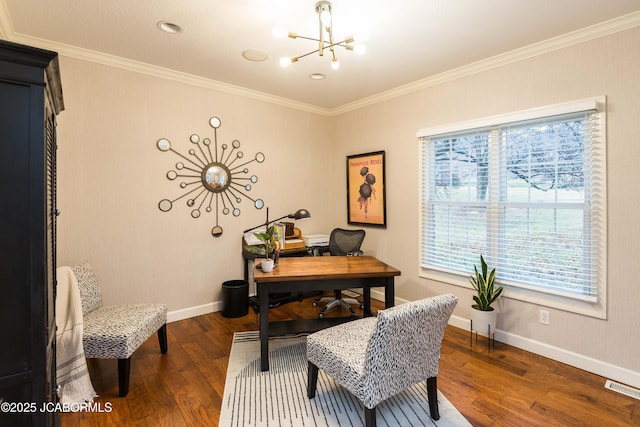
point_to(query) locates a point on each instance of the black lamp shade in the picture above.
(301, 214)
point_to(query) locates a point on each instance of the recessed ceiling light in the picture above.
(317, 76)
(255, 55)
(169, 27)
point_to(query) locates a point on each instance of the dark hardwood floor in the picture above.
(507, 387)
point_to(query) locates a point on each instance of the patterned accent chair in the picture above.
(377, 357)
(116, 331)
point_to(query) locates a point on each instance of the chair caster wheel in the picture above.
(315, 304)
(321, 315)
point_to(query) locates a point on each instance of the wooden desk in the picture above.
(318, 273)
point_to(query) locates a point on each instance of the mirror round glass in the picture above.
(165, 205)
(215, 122)
(163, 144)
(216, 177)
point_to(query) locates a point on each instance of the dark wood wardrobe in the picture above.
(30, 99)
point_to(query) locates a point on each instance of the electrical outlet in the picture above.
(544, 317)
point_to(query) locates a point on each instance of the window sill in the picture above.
(596, 310)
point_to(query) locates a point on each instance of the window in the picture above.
(527, 191)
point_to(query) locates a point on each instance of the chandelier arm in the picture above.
(331, 43)
(307, 38)
(326, 47)
(341, 44)
(309, 53)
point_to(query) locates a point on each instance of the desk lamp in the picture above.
(298, 215)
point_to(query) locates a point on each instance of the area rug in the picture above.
(278, 397)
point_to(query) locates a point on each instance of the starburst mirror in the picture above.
(215, 181)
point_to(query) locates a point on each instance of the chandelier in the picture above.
(325, 38)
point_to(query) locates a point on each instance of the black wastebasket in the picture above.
(235, 298)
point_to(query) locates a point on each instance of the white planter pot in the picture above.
(481, 321)
(267, 265)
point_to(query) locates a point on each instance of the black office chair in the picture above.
(342, 243)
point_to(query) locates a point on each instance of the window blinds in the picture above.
(529, 195)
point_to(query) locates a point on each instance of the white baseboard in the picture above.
(198, 310)
(570, 358)
(588, 364)
(576, 360)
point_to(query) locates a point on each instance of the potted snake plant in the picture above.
(483, 315)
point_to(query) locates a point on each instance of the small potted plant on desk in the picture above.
(266, 239)
(483, 316)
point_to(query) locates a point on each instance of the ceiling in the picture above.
(409, 40)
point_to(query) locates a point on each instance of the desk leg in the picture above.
(366, 300)
(264, 326)
(389, 293)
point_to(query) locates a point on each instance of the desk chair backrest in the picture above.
(346, 242)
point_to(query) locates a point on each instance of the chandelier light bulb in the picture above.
(360, 49)
(285, 62)
(325, 18)
(335, 64)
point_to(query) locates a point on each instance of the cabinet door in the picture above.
(15, 354)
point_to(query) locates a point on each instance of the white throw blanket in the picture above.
(71, 365)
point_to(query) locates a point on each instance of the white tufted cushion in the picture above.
(115, 332)
(376, 358)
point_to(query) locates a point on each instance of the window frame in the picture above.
(597, 105)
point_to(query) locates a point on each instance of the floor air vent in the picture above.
(624, 389)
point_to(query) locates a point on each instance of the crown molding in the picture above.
(602, 29)
(165, 73)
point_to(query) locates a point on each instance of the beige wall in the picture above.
(607, 66)
(111, 177)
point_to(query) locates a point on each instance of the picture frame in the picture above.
(366, 190)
